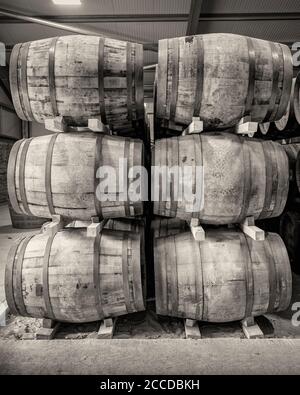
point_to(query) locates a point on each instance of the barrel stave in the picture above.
(241, 177)
(79, 77)
(74, 282)
(247, 76)
(60, 171)
(254, 277)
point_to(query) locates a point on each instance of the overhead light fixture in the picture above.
(67, 2)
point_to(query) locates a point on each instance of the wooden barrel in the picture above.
(136, 226)
(264, 127)
(227, 277)
(124, 225)
(292, 151)
(290, 233)
(221, 78)
(57, 174)
(240, 177)
(70, 277)
(22, 221)
(162, 227)
(291, 118)
(298, 171)
(78, 77)
(5, 147)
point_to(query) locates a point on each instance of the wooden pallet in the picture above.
(249, 326)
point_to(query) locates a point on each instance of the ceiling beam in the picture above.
(121, 18)
(73, 29)
(194, 15)
(116, 18)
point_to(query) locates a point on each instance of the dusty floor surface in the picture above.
(165, 356)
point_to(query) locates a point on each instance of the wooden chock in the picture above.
(3, 313)
(246, 126)
(48, 330)
(192, 330)
(96, 125)
(107, 328)
(251, 329)
(95, 227)
(197, 230)
(57, 124)
(57, 224)
(249, 228)
(196, 126)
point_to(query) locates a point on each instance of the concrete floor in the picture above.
(155, 357)
(220, 351)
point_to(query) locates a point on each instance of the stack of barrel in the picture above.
(229, 276)
(289, 125)
(289, 224)
(68, 275)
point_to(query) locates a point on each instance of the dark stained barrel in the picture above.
(291, 119)
(57, 174)
(298, 171)
(5, 148)
(292, 151)
(227, 277)
(162, 227)
(242, 177)
(264, 127)
(70, 277)
(78, 77)
(221, 78)
(290, 233)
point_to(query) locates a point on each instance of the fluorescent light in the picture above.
(67, 2)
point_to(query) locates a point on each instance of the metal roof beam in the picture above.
(121, 18)
(73, 29)
(194, 15)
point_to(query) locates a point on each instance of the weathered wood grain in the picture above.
(290, 233)
(87, 279)
(227, 277)
(291, 118)
(60, 176)
(221, 78)
(79, 77)
(242, 177)
(5, 147)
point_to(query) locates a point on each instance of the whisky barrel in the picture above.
(264, 127)
(59, 174)
(22, 221)
(298, 171)
(227, 277)
(136, 226)
(290, 233)
(127, 225)
(162, 227)
(292, 151)
(221, 78)
(291, 118)
(78, 77)
(124, 225)
(5, 147)
(237, 177)
(70, 277)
